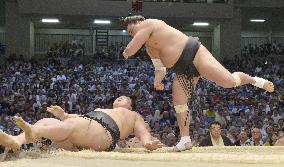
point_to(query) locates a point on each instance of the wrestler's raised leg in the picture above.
(66, 145)
(55, 132)
(211, 69)
(21, 138)
(15, 142)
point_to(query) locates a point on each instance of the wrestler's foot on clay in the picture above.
(183, 144)
(30, 134)
(187, 146)
(9, 141)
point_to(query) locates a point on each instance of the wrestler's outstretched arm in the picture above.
(139, 39)
(142, 133)
(159, 76)
(58, 112)
(160, 69)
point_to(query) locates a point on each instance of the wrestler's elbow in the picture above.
(130, 51)
(132, 48)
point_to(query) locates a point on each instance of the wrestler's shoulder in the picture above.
(151, 22)
(122, 109)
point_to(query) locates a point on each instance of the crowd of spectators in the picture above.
(247, 115)
(114, 51)
(74, 48)
(263, 49)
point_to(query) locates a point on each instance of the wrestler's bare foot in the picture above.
(268, 86)
(30, 133)
(9, 141)
(56, 111)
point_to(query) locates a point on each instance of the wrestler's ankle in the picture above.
(183, 143)
(185, 138)
(258, 82)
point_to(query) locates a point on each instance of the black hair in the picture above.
(215, 123)
(131, 19)
(133, 102)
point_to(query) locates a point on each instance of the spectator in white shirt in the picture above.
(275, 116)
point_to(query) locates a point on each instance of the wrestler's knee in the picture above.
(238, 78)
(47, 121)
(181, 108)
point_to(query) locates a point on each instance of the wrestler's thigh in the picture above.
(66, 145)
(210, 68)
(47, 121)
(178, 95)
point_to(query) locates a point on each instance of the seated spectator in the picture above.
(272, 140)
(214, 138)
(233, 134)
(220, 117)
(255, 140)
(210, 114)
(269, 133)
(243, 137)
(195, 140)
(171, 140)
(164, 121)
(280, 142)
(276, 115)
(134, 143)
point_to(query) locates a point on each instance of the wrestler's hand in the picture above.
(124, 55)
(159, 86)
(153, 145)
(6, 151)
(56, 111)
(4, 155)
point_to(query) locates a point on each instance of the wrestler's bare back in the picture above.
(90, 134)
(165, 42)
